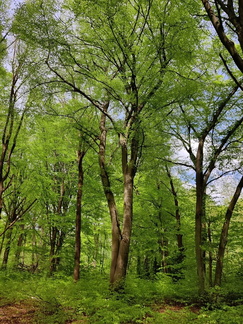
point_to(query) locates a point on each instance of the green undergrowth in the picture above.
(60, 300)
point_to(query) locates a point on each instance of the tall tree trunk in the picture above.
(129, 171)
(10, 130)
(164, 253)
(179, 236)
(224, 234)
(210, 257)
(1, 190)
(20, 244)
(120, 239)
(139, 266)
(53, 237)
(115, 226)
(7, 248)
(3, 238)
(59, 244)
(34, 253)
(57, 235)
(122, 259)
(76, 272)
(11, 218)
(199, 218)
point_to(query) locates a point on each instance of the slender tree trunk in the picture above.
(1, 191)
(20, 244)
(34, 254)
(139, 266)
(76, 272)
(11, 218)
(9, 132)
(53, 237)
(7, 248)
(164, 253)
(56, 235)
(199, 217)
(224, 234)
(3, 238)
(210, 257)
(103, 249)
(59, 244)
(179, 236)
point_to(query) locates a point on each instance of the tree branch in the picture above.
(228, 44)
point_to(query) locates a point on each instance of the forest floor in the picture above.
(20, 312)
(30, 312)
(26, 299)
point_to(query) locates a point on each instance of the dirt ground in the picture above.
(25, 312)
(18, 313)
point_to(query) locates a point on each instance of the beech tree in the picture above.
(208, 145)
(115, 55)
(224, 234)
(13, 121)
(15, 103)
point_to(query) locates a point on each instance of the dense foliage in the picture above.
(120, 164)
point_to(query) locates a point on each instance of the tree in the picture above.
(157, 245)
(224, 234)
(80, 154)
(207, 145)
(13, 119)
(115, 56)
(15, 103)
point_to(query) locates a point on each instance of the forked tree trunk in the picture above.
(116, 232)
(224, 234)
(120, 239)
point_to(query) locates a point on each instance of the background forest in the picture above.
(121, 160)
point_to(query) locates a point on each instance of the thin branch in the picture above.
(177, 163)
(238, 83)
(222, 175)
(18, 218)
(220, 148)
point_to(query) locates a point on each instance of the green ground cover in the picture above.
(60, 300)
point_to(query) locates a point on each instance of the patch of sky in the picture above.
(222, 176)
